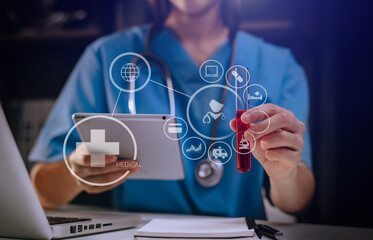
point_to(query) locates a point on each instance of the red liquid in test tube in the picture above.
(243, 156)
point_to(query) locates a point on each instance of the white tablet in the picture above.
(158, 154)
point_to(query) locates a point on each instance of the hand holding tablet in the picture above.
(158, 155)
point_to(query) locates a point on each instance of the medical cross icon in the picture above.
(98, 147)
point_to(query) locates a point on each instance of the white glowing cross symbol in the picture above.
(98, 147)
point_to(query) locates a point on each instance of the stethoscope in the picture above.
(208, 173)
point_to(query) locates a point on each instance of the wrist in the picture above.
(286, 178)
(293, 192)
(71, 180)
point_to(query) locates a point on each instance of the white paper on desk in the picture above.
(164, 238)
(196, 228)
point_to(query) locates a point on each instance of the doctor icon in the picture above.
(216, 113)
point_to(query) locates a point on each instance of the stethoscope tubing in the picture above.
(217, 169)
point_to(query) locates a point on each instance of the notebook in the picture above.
(227, 228)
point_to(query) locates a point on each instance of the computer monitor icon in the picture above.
(211, 71)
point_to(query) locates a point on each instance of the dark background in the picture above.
(40, 42)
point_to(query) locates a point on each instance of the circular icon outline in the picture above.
(227, 78)
(123, 55)
(219, 163)
(269, 123)
(175, 139)
(90, 118)
(188, 109)
(193, 137)
(246, 94)
(211, 60)
(251, 148)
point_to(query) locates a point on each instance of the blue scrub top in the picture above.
(90, 90)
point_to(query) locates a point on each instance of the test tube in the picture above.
(243, 156)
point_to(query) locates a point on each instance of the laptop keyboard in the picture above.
(61, 220)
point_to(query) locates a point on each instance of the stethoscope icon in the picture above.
(208, 173)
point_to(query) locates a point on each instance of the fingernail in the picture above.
(248, 136)
(246, 117)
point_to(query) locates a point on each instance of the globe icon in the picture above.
(129, 72)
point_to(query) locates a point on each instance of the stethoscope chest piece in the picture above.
(208, 173)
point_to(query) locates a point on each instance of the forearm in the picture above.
(54, 184)
(294, 192)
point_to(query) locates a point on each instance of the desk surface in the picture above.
(296, 231)
(291, 231)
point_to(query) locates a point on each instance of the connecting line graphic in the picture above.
(116, 103)
(120, 91)
(170, 88)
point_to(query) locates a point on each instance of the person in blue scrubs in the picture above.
(191, 32)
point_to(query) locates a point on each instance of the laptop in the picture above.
(21, 214)
(211, 71)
